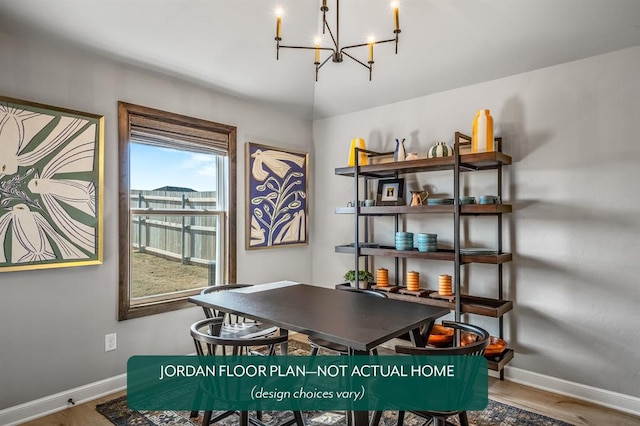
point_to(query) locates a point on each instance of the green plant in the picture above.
(362, 276)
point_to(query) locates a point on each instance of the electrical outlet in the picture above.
(110, 342)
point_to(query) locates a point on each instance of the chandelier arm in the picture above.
(337, 41)
(319, 65)
(307, 47)
(333, 39)
(357, 60)
(325, 61)
(366, 44)
(324, 10)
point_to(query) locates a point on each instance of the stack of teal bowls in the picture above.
(427, 242)
(439, 201)
(488, 199)
(467, 200)
(404, 240)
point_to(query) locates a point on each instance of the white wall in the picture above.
(53, 322)
(575, 233)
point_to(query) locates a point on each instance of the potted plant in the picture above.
(364, 278)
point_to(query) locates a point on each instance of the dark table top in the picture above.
(355, 320)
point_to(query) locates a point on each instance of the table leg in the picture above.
(284, 346)
(360, 418)
(419, 339)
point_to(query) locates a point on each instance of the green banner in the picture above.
(307, 383)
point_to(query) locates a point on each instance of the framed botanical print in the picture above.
(277, 197)
(51, 180)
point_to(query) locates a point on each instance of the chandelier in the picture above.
(337, 52)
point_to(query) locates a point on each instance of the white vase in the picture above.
(399, 154)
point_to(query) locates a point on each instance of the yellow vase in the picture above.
(363, 160)
(482, 132)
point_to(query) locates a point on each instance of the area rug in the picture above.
(496, 414)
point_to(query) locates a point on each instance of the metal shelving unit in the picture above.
(458, 163)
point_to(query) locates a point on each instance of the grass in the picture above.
(152, 275)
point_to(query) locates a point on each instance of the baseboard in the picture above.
(617, 401)
(50, 404)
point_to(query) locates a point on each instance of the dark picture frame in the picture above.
(277, 197)
(390, 192)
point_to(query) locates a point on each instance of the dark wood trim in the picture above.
(124, 288)
(232, 222)
(183, 125)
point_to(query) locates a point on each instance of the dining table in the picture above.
(352, 319)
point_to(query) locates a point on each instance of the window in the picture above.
(177, 215)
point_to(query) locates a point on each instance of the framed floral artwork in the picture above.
(51, 180)
(277, 197)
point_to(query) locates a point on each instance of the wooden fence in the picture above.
(188, 239)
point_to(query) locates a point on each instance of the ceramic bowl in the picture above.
(488, 199)
(440, 335)
(467, 338)
(495, 348)
(427, 236)
(467, 200)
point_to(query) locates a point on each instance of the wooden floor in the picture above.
(560, 407)
(552, 405)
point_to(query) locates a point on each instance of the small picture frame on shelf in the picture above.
(390, 192)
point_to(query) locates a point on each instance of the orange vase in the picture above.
(482, 132)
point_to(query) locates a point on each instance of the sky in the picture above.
(154, 167)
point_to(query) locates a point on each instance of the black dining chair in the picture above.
(236, 326)
(477, 348)
(321, 344)
(208, 342)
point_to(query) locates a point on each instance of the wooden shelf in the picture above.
(465, 209)
(499, 363)
(447, 255)
(468, 162)
(470, 304)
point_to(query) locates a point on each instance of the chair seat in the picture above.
(330, 346)
(247, 330)
(208, 341)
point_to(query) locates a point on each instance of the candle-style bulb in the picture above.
(371, 43)
(316, 41)
(279, 13)
(395, 5)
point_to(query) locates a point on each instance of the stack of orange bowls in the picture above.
(382, 278)
(444, 285)
(413, 281)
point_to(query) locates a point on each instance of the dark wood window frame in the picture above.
(193, 131)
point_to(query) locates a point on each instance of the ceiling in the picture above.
(229, 45)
